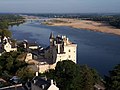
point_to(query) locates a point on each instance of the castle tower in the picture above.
(51, 38)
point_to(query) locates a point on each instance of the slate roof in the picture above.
(32, 44)
(51, 36)
(41, 82)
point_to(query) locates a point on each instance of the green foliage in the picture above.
(10, 66)
(6, 20)
(113, 20)
(65, 73)
(6, 33)
(10, 18)
(9, 63)
(88, 79)
(70, 76)
(113, 80)
(4, 25)
(25, 73)
(0, 70)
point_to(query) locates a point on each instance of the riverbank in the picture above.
(83, 24)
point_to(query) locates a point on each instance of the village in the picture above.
(59, 45)
(60, 48)
(40, 59)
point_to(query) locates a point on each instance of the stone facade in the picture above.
(61, 49)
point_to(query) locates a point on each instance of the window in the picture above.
(69, 50)
(69, 56)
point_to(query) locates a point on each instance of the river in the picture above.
(98, 50)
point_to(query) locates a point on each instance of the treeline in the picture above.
(6, 20)
(10, 18)
(113, 20)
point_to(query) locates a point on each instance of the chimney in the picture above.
(34, 81)
(54, 42)
(36, 74)
(43, 87)
(67, 40)
(58, 48)
(55, 82)
(51, 81)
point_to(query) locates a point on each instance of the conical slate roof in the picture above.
(51, 36)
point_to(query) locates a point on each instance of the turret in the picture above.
(51, 36)
(51, 39)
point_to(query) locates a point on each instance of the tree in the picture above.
(25, 73)
(0, 70)
(10, 64)
(65, 72)
(70, 76)
(5, 32)
(113, 80)
(87, 78)
(4, 25)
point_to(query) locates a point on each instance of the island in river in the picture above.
(83, 24)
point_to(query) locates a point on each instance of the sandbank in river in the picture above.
(83, 24)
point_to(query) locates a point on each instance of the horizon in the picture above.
(61, 13)
(53, 6)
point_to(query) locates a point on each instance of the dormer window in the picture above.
(69, 50)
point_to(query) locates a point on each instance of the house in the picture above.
(28, 57)
(28, 45)
(8, 45)
(15, 80)
(61, 48)
(33, 46)
(39, 83)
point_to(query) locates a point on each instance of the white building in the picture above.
(28, 57)
(61, 49)
(30, 45)
(7, 45)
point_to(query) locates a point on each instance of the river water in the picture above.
(98, 50)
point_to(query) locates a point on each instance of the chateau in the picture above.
(61, 49)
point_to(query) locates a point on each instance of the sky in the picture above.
(59, 6)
